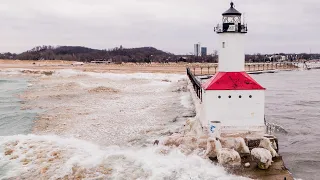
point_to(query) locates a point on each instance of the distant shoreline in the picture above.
(171, 68)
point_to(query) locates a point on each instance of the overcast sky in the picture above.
(169, 25)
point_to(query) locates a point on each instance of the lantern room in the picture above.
(231, 22)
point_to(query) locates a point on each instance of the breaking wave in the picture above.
(127, 76)
(52, 157)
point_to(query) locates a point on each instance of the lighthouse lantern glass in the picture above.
(231, 19)
(231, 22)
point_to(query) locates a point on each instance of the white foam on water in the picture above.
(52, 157)
(67, 73)
(186, 100)
(126, 76)
(11, 71)
(195, 100)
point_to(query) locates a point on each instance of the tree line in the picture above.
(135, 55)
(118, 54)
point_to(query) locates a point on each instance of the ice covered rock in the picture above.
(237, 144)
(266, 144)
(173, 140)
(190, 142)
(177, 140)
(202, 142)
(263, 157)
(193, 128)
(211, 148)
(226, 156)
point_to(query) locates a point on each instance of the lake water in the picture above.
(13, 120)
(292, 101)
(148, 107)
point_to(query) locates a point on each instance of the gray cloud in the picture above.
(170, 25)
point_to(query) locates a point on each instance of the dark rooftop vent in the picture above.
(232, 11)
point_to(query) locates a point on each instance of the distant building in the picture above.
(77, 64)
(277, 58)
(182, 59)
(197, 49)
(203, 51)
(284, 58)
(102, 61)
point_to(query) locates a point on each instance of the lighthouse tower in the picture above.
(231, 96)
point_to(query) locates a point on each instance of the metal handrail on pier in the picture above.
(211, 69)
(250, 68)
(196, 84)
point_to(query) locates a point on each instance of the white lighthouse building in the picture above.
(231, 96)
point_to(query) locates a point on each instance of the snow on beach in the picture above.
(102, 126)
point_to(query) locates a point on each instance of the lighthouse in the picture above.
(231, 97)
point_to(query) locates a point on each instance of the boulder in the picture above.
(263, 157)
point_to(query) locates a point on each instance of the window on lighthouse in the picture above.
(223, 44)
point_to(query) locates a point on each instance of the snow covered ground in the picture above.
(102, 126)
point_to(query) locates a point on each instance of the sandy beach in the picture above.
(89, 67)
(171, 68)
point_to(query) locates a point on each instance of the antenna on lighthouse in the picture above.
(232, 4)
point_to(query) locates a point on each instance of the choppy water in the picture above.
(293, 101)
(54, 157)
(13, 120)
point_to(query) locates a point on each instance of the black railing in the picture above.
(200, 70)
(231, 27)
(196, 84)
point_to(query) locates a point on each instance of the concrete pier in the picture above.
(277, 171)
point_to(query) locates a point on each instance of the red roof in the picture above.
(232, 81)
